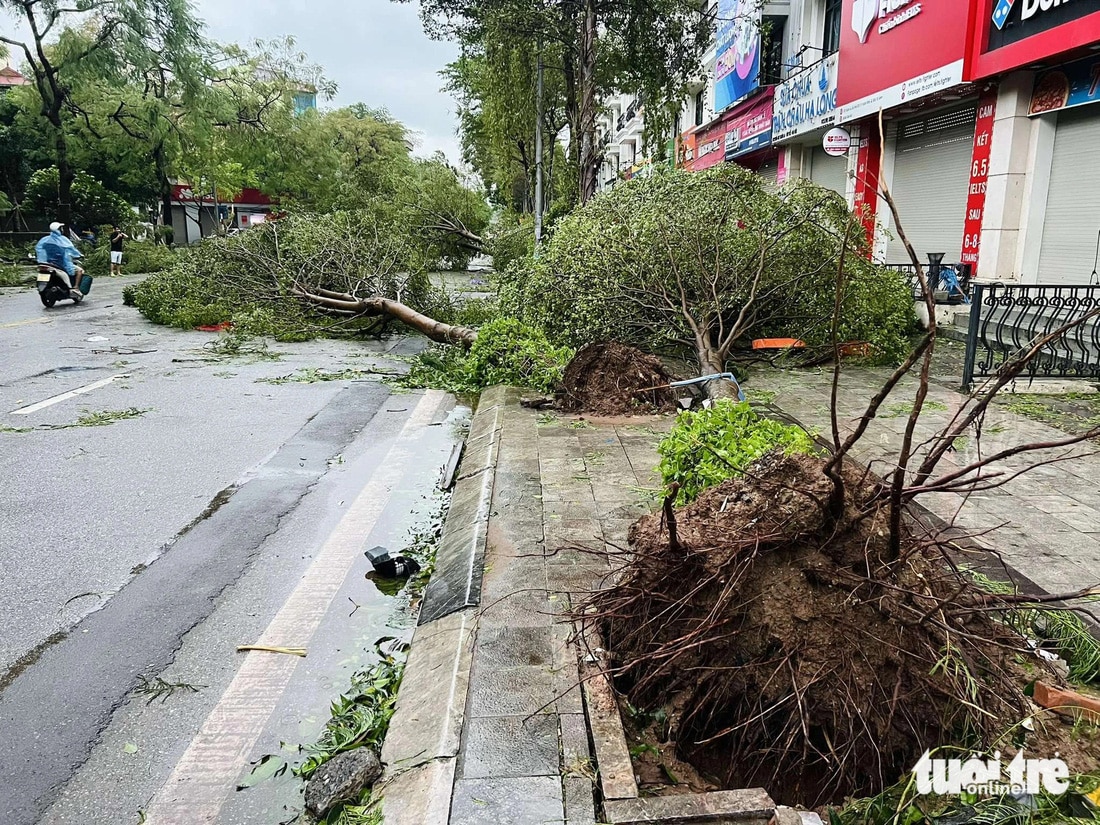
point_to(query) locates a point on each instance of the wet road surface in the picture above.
(213, 508)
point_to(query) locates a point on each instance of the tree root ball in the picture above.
(791, 651)
(612, 378)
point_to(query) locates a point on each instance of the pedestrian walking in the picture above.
(117, 237)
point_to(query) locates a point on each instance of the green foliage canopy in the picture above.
(704, 260)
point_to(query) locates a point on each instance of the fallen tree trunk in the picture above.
(347, 304)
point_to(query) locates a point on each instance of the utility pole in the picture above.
(538, 149)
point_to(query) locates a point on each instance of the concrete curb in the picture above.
(421, 748)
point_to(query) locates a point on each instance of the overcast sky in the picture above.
(376, 50)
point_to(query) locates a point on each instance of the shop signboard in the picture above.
(737, 65)
(979, 177)
(751, 127)
(1010, 34)
(868, 159)
(836, 142)
(1016, 20)
(710, 145)
(1073, 84)
(896, 51)
(685, 158)
(806, 101)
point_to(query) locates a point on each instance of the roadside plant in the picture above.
(705, 447)
(361, 716)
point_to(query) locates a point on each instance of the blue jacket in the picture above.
(57, 250)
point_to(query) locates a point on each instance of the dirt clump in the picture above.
(789, 647)
(611, 378)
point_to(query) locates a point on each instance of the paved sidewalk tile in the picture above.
(533, 800)
(1047, 519)
(510, 747)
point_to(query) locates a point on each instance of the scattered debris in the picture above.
(158, 688)
(447, 480)
(392, 567)
(290, 651)
(341, 779)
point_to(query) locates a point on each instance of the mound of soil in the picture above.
(789, 648)
(611, 378)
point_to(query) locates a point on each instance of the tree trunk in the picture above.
(588, 160)
(346, 304)
(164, 185)
(711, 362)
(65, 175)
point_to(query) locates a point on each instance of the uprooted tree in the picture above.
(701, 261)
(805, 627)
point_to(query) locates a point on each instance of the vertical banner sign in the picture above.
(867, 164)
(737, 65)
(979, 176)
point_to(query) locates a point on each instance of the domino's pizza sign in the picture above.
(1015, 20)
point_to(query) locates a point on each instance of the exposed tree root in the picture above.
(793, 649)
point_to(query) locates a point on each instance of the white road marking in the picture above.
(212, 764)
(65, 396)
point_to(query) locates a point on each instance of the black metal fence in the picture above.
(1007, 318)
(934, 275)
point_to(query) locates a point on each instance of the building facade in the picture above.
(976, 113)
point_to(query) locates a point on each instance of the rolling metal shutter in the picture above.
(931, 179)
(769, 171)
(1072, 218)
(829, 172)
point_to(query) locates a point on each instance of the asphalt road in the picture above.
(183, 517)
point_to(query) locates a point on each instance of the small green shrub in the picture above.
(708, 446)
(506, 352)
(12, 275)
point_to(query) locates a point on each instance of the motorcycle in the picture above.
(54, 285)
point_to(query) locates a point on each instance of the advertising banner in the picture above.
(806, 101)
(1074, 84)
(710, 145)
(866, 195)
(685, 159)
(750, 128)
(895, 51)
(737, 66)
(979, 177)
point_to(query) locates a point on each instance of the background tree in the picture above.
(652, 46)
(92, 32)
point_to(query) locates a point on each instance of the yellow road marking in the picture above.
(24, 323)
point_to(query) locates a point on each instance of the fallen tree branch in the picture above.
(344, 303)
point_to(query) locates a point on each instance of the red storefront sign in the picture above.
(868, 162)
(1006, 39)
(184, 194)
(710, 144)
(895, 51)
(979, 176)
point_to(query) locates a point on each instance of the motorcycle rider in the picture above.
(59, 252)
